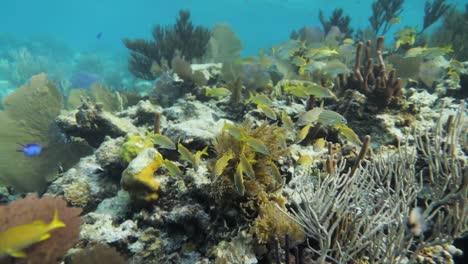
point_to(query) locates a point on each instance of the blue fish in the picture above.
(99, 35)
(83, 80)
(30, 150)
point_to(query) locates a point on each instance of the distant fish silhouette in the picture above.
(30, 150)
(83, 80)
(99, 35)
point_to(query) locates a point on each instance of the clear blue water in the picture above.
(259, 23)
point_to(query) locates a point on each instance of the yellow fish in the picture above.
(234, 131)
(349, 134)
(332, 118)
(303, 133)
(239, 180)
(185, 154)
(309, 117)
(197, 157)
(305, 161)
(267, 111)
(172, 168)
(321, 53)
(348, 41)
(256, 145)
(217, 92)
(246, 166)
(259, 99)
(287, 121)
(222, 163)
(276, 174)
(163, 141)
(14, 240)
(395, 20)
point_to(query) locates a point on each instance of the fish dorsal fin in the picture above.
(37, 223)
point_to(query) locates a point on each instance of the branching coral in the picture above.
(30, 209)
(383, 11)
(337, 19)
(453, 33)
(433, 11)
(363, 214)
(191, 43)
(385, 89)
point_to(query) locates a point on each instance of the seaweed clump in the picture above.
(149, 58)
(384, 89)
(250, 179)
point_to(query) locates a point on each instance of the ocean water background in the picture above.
(259, 23)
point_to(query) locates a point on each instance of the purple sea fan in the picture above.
(83, 80)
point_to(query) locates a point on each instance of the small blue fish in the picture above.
(30, 150)
(99, 35)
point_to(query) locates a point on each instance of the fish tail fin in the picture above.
(56, 222)
(205, 151)
(251, 96)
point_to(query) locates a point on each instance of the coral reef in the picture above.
(93, 124)
(191, 42)
(261, 159)
(98, 253)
